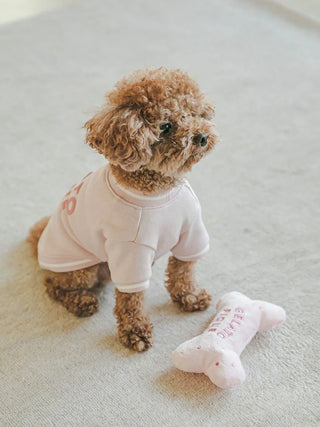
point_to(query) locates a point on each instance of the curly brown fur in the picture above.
(127, 130)
(145, 180)
(134, 327)
(82, 303)
(182, 287)
(76, 290)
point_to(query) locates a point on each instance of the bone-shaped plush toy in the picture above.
(216, 352)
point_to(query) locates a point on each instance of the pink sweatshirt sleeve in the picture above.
(130, 265)
(193, 242)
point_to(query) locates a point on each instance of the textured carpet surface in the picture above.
(259, 192)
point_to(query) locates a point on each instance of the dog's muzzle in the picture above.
(201, 139)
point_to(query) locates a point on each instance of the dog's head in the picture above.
(158, 119)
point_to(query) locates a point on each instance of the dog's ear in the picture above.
(122, 136)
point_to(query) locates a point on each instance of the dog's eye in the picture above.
(166, 128)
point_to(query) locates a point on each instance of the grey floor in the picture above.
(16, 10)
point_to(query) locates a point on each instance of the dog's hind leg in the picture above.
(76, 290)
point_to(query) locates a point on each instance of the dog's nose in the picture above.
(201, 139)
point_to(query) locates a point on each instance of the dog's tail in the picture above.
(35, 233)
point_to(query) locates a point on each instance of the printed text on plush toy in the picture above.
(226, 330)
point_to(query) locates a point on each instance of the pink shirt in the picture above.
(100, 221)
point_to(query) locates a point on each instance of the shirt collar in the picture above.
(137, 197)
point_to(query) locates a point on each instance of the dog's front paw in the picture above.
(196, 300)
(136, 334)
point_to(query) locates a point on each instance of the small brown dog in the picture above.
(155, 125)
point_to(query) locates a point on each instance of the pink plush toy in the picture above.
(216, 352)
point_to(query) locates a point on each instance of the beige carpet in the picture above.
(259, 191)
